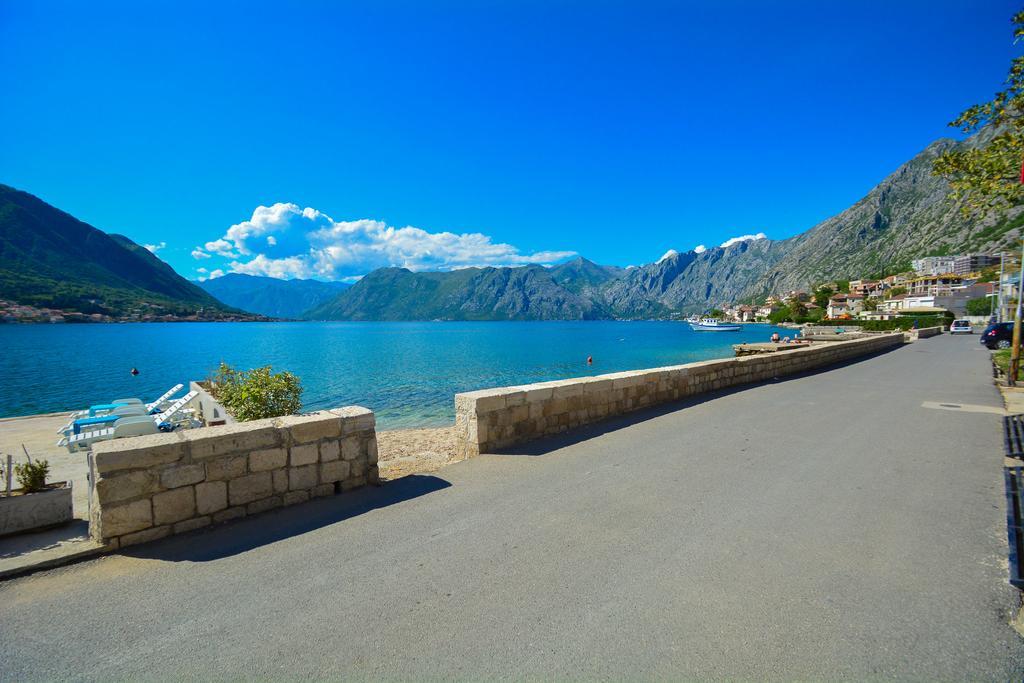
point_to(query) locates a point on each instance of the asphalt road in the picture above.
(824, 527)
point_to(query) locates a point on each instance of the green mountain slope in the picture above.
(527, 293)
(270, 296)
(49, 258)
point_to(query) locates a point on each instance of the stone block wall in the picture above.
(493, 419)
(148, 487)
(924, 332)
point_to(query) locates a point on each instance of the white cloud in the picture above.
(352, 279)
(282, 268)
(202, 270)
(221, 247)
(668, 254)
(304, 242)
(743, 238)
(699, 249)
(216, 274)
(198, 253)
(153, 248)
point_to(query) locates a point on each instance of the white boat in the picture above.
(713, 325)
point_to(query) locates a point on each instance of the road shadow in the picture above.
(239, 536)
(547, 444)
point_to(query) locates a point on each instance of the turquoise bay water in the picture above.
(406, 372)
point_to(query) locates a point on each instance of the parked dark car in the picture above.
(998, 336)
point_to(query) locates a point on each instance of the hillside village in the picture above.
(963, 285)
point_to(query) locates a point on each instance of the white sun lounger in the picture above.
(105, 408)
(130, 425)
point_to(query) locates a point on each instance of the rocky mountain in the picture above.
(527, 293)
(51, 259)
(270, 296)
(693, 282)
(908, 215)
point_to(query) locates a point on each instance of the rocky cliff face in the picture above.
(908, 215)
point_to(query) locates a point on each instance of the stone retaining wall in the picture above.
(924, 333)
(148, 487)
(493, 419)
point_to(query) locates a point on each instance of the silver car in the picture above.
(961, 327)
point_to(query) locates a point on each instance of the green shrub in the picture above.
(257, 393)
(980, 306)
(901, 323)
(32, 475)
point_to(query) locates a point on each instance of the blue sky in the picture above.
(500, 132)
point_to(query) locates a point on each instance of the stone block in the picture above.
(351, 447)
(213, 442)
(538, 393)
(125, 485)
(263, 505)
(182, 475)
(515, 398)
(321, 490)
(174, 505)
(304, 455)
(355, 419)
(336, 470)
(280, 481)
(294, 497)
(268, 459)
(330, 450)
(249, 488)
(302, 477)
(191, 524)
(117, 520)
(567, 389)
(371, 450)
(221, 469)
(138, 452)
(211, 496)
(144, 536)
(372, 475)
(312, 427)
(230, 513)
(353, 483)
(483, 401)
(358, 467)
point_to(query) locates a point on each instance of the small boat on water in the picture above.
(713, 325)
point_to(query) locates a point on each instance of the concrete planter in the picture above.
(31, 511)
(210, 410)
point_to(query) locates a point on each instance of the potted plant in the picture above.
(35, 504)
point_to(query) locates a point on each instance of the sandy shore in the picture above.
(408, 451)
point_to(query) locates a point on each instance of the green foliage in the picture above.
(32, 475)
(897, 291)
(797, 310)
(258, 393)
(986, 176)
(871, 304)
(822, 295)
(901, 323)
(780, 316)
(1002, 360)
(843, 286)
(716, 313)
(979, 306)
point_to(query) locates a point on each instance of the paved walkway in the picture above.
(824, 527)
